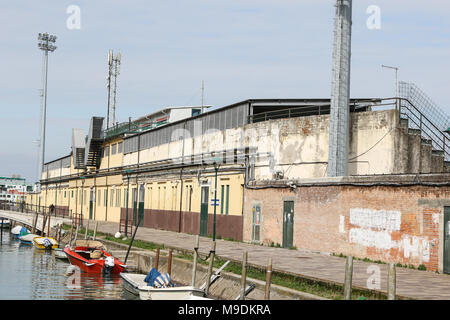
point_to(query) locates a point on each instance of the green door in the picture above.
(141, 205)
(447, 240)
(91, 203)
(204, 212)
(134, 200)
(288, 224)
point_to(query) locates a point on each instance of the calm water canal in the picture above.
(27, 273)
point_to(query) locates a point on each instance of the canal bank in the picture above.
(300, 264)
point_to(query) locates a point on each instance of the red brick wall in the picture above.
(413, 238)
(227, 226)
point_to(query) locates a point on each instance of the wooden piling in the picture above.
(348, 278)
(87, 229)
(95, 229)
(76, 236)
(157, 259)
(169, 263)
(48, 222)
(44, 221)
(243, 275)
(210, 267)
(391, 282)
(71, 234)
(268, 279)
(194, 267)
(33, 229)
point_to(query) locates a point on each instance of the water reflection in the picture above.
(28, 273)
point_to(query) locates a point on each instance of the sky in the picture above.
(241, 49)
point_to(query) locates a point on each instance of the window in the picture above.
(119, 147)
(125, 195)
(99, 197)
(118, 197)
(105, 198)
(111, 203)
(113, 149)
(106, 152)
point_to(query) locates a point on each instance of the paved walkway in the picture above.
(410, 283)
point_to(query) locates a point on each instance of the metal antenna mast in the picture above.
(108, 85)
(46, 44)
(116, 63)
(340, 95)
(113, 71)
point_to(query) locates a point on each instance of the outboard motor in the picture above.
(109, 265)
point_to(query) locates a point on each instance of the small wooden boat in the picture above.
(91, 256)
(134, 283)
(28, 238)
(19, 231)
(47, 243)
(60, 254)
(5, 223)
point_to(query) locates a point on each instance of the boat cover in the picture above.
(16, 229)
(157, 280)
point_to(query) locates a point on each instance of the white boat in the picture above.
(28, 238)
(5, 223)
(60, 254)
(134, 283)
(19, 231)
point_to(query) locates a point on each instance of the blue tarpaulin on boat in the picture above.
(151, 276)
(156, 279)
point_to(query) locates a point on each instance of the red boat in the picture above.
(91, 256)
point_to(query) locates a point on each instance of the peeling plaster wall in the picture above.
(298, 146)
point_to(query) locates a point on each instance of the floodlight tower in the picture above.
(46, 44)
(340, 95)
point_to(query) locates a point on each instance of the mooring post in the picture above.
(210, 267)
(86, 231)
(391, 282)
(48, 228)
(44, 221)
(348, 278)
(76, 236)
(243, 275)
(59, 233)
(71, 234)
(33, 229)
(157, 259)
(1, 233)
(268, 279)
(194, 267)
(169, 263)
(95, 229)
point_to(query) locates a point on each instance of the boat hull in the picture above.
(135, 284)
(37, 242)
(91, 265)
